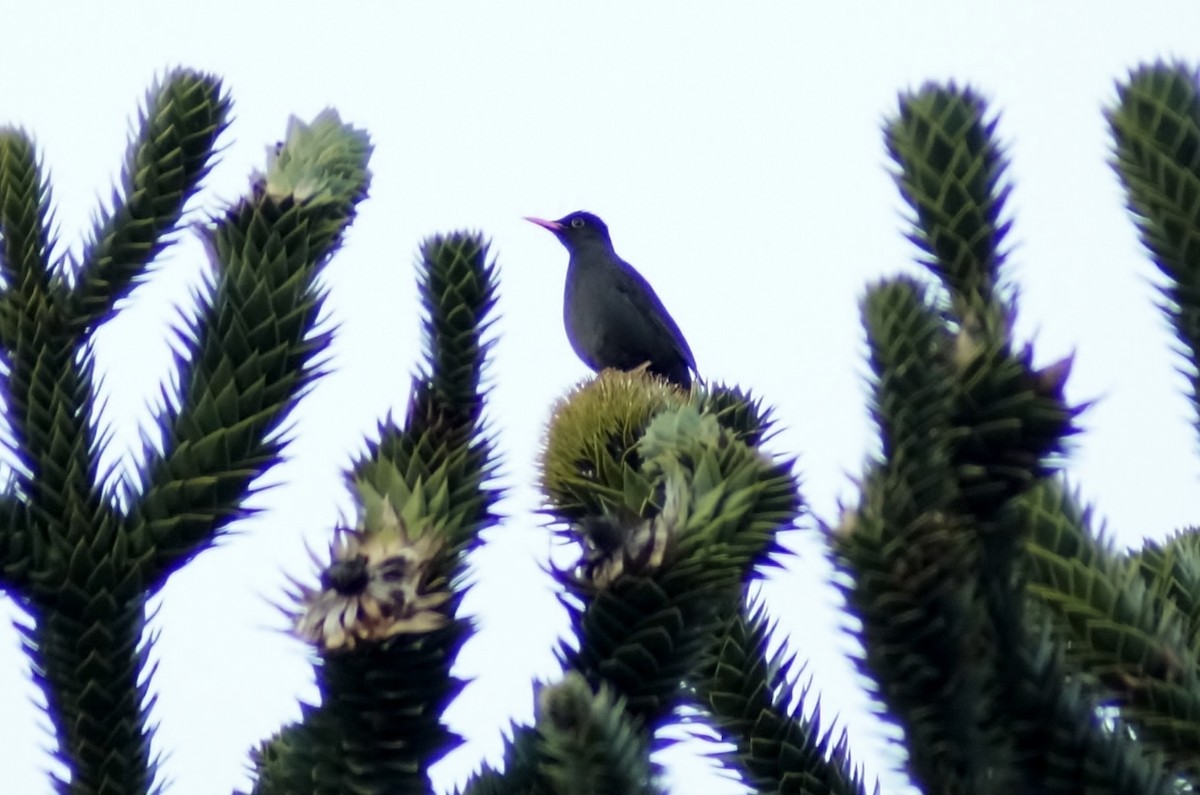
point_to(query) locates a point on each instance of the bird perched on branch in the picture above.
(612, 314)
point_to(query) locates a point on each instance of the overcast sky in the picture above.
(735, 153)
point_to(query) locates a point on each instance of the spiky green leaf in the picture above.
(589, 745)
(913, 399)
(171, 152)
(1156, 129)
(951, 172)
(1115, 628)
(25, 216)
(458, 292)
(384, 617)
(87, 658)
(255, 349)
(749, 693)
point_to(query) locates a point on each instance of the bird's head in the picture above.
(577, 230)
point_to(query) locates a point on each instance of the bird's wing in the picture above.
(638, 289)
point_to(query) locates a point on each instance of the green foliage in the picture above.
(750, 697)
(661, 566)
(163, 168)
(69, 557)
(458, 294)
(951, 173)
(83, 560)
(652, 598)
(1015, 649)
(25, 209)
(589, 742)
(1126, 630)
(1156, 130)
(583, 742)
(254, 350)
(1062, 746)
(383, 618)
(966, 425)
(1126, 621)
(590, 465)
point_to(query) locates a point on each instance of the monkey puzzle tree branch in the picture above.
(737, 410)
(86, 655)
(749, 695)
(457, 285)
(72, 578)
(16, 543)
(25, 251)
(75, 564)
(25, 215)
(1171, 571)
(966, 425)
(256, 347)
(46, 385)
(384, 617)
(935, 592)
(1060, 743)
(582, 741)
(170, 154)
(951, 173)
(1156, 131)
(923, 630)
(423, 503)
(913, 399)
(589, 743)
(1009, 421)
(672, 511)
(1124, 628)
(649, 594)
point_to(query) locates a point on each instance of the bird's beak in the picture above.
(553, 226)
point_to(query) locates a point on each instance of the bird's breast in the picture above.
(586, 304)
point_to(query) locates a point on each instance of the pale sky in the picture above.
(735, 153)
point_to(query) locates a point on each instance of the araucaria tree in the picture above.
(1016, 650)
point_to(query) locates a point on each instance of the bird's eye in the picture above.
(577, 223)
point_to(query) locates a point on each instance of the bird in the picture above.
(612, 315)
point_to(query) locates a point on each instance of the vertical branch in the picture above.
(384, 616)
(256, 349)
(967, 425)
(82, 570)
(168, 158)
(90, 671)
(1156, 133)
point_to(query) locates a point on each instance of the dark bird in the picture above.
(612, 314)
